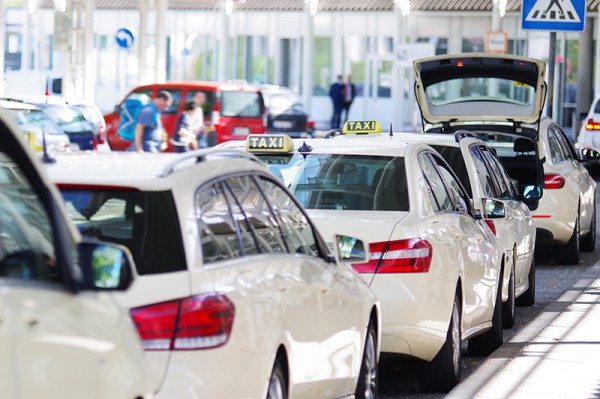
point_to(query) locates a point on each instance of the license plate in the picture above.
(241, 131)
(283, 124)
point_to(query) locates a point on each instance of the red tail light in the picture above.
(197, 322)
(102, 132)
(491, 225)
(402, 256)
(591, 125)
(310, 124)
(553, 181)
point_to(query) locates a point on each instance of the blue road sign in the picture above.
(553, 15)
(124, 38)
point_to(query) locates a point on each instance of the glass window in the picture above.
(441, 43)
(145, 222)
(565, 144)
(503, 182)
(457, 195)
(26, 239)
(322, 66)
(207, 107)
(485, 180)
(441, 199)
(218, 228)
(258, 227)
(556, 152)
(473, 45)
(241, 104)
(141, 95)
(297, 231)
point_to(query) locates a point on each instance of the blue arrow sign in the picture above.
(124, 38)
(553, 15)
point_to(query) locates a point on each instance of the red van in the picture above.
(234, 110)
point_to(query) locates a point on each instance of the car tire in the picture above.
(443, 372)
(367, 385)
(508, 307)
(588, 243)
(528, 297)
(568, 254)
(485, 344)
(277, 385)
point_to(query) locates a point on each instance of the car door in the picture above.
(339, 304)
(50, 339)
(478, 272)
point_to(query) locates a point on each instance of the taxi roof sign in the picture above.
(281, 143)
(361, 127)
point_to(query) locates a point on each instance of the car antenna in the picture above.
(46, 158)
(391, 134)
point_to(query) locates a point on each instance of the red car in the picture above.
(234, 110)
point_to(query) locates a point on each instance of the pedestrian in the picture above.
(336, 92)
(184, 137)
(197, 124)
(349, 94)
(149, 132)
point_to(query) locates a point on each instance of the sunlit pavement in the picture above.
(557, 355)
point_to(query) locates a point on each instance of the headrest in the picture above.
(523, 145)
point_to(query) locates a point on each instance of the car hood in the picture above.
(480, 87)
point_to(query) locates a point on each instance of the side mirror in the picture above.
(532, 192)
(351, 250)
(590, 155)
(106, 266)
(493, 209)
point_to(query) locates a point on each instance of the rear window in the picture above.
(343, 182)
(241, 104)
(68, 118)
(145, 222)
(35, 121)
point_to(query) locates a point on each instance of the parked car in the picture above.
(36, 127)
(233, 276)
(92, 114)
(233, 110)
(590, 128)
(62, 334)
(285, 112)
(423, 235)
(500, 97)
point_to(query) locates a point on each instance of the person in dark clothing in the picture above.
(349, 94)
(336, 92)
(149, 131)
(184, 138)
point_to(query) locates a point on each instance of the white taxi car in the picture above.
(238, 295)
(434, 264)
(589, 133)
(483, 176)
(500, 97)
(62, 334)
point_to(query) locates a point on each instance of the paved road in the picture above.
(398, 378)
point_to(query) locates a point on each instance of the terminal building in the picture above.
(98, 50)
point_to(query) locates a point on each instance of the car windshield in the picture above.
(343, 182)
(480, 89)
(35, 121)
(281, 101)
(145, 222)
(68, 118)
(241, 104)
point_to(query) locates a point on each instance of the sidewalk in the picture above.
(557, 355)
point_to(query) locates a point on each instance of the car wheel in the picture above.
(568, 254)
(277, 385)
(366, 387)
(588, 243)
(528, 297)
(443, 372)
(492, 339)
(508, 307)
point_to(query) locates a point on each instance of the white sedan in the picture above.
(435, 265)
(237, 295)
(501, 97)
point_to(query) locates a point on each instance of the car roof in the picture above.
(202, 85)
(16, 104)
(147, 171)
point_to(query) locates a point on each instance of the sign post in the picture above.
(553, 16)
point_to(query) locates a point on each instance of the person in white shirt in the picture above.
(197, 124)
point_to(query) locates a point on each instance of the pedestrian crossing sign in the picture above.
(553, 15)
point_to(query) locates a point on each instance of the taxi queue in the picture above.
(291, 265)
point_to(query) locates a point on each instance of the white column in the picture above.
(26, 48)
(2, 41)
(89, 66)
(307, 59)
(160, 66)
(597, 77)
(223, 45)
(398, 73)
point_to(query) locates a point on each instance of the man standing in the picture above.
(197, 124)
(336, 92)
(149, 131)
(349, 94)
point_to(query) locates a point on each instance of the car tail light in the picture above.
(310, 124)
(591, 125)
(198, 322)
(402, 256)
(491, 225)
(553, 181)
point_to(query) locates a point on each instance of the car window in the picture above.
(68, 118)
(565, 144)
(597, 107)
(556, 151)
(506, 187)
(35, 121)
(440, 199)
(241, 104)
(145, 222)
(297, 231)
(208, 104)
(459, 199)
(142, 95)
(26, 239)
(484, 174)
